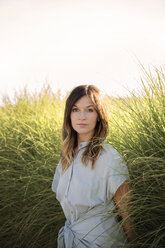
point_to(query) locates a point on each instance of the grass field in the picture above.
(30, 138)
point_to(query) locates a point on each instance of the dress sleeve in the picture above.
(56, 177)
(118, 173)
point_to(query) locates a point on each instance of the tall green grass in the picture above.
(137, 131)
(30, 143)
(30, 138)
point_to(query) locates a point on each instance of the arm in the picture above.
(122, 199)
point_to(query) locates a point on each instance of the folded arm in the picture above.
(122, 199)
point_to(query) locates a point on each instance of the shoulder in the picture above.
(58, 169)
(112, 159)
(110, 152)
(59, 166)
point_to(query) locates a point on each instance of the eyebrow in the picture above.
(86, 106)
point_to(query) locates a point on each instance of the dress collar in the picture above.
(83, 144)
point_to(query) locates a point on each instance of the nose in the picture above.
(82, 115)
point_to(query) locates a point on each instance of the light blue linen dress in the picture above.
(86, 197)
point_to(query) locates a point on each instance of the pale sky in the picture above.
(70, 42)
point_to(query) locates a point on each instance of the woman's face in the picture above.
(83, 118)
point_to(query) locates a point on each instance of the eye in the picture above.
(74, 109)
(90, 110)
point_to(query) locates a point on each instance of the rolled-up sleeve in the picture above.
(118, 173)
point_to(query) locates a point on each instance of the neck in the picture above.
(83, 139)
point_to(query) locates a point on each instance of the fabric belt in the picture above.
(66, 236)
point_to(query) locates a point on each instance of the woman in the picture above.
(91, 178)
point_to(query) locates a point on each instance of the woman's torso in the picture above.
(86, 197)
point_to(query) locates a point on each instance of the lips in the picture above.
(82, 125)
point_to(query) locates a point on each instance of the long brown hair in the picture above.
(69, 135)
